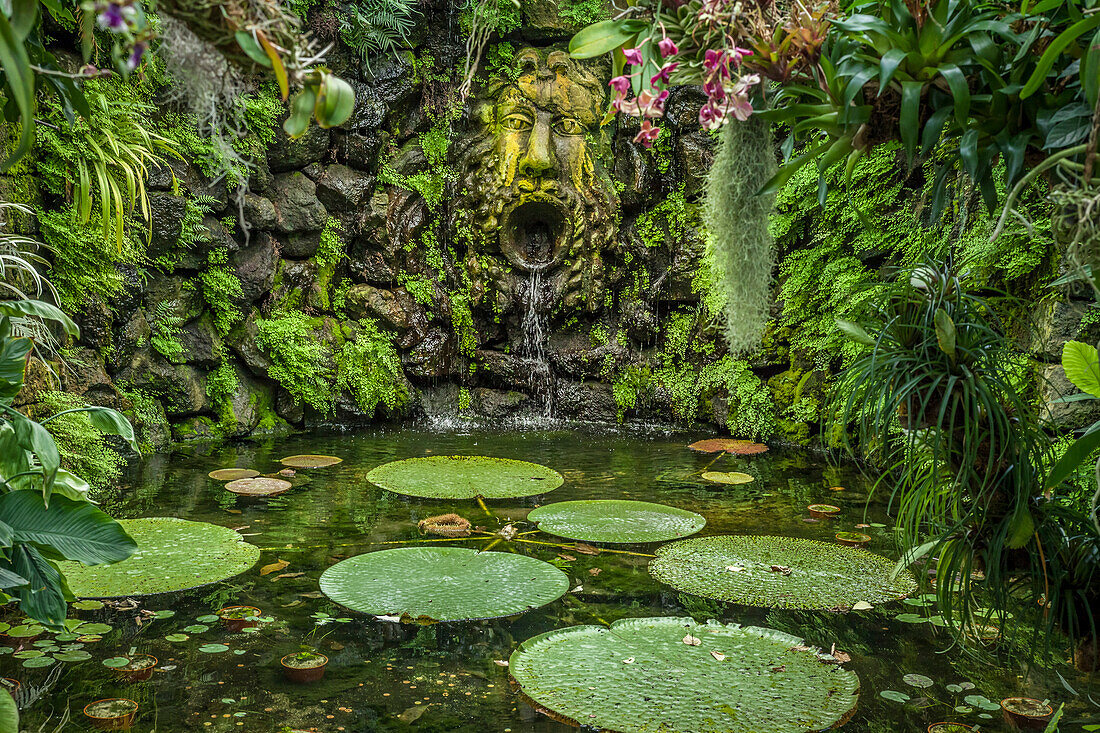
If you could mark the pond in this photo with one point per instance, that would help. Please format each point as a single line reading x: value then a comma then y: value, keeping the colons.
x: 385, y: 676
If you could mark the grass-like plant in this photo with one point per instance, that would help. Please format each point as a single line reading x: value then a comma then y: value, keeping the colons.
x: 941, y: 400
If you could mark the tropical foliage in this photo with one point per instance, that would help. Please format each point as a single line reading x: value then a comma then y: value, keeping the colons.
x: 45, y: 514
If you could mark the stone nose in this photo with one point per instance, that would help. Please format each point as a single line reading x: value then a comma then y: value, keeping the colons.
x: 538, y: 158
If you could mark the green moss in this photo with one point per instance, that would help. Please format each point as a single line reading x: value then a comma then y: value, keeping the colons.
x: 85, y: 451
x: 462, y: 321
x: 221, y: 385
x: 369, y: 369
x: 84, y: 263
x: 331, y: 249
x: 464, y: 399
x: 147, y: 415
x: 632, y: 384
x: 500, y: 60
x: 419, y: 287
x: 221, y: 288
x: 300, y: 361
x: 666, y: 223
x: 583, y: 12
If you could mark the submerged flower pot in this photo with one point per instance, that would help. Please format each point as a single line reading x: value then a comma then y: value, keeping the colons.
x: 113, y: 713
x: 823, y: 511
x: 1026, y: 713
x: 138, y: 669
x: 949, y: 728
x: 238, y: 618
x: 852, y: 539
x: 304, y: 667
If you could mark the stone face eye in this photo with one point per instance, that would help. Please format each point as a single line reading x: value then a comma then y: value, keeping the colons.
x: 568, y: 126
x: 517, y: 121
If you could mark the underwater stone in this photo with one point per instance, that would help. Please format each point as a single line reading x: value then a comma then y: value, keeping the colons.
x: 296, y: 206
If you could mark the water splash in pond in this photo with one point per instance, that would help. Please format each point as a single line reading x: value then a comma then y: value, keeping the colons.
x: 383, y: 676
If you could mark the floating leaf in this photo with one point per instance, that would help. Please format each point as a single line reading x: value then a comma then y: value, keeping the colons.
x: 76, y: 655
x: 97, y: 629
x: 578, y: 674
x: 37, y: 662
x: 692, y: 640
x: 862, y: 606
x: 731, y: 477
x: 894, y: 695
x: 213, y: 648
x: 263, y: 486
x: 165, y: 613
x: 910, y: 618
x: 233, y: 474
x: 176, y: 638
x: 616, y: 520
x: 116, y: 662
x: 196, y: 628
x: 310, y: 461
x: 917, y: 680
x: 173, y: 554
x: 207, y: 618
x: 88, y: 605
x: 274, y: 567
x: 443, y: 584
x: 465, y: 477
x: 718, y: 445
x: 822, y: 575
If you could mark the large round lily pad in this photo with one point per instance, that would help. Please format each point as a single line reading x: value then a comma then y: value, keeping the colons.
x: 263, y: 486
x: 616, y: 520
x: 427, y: 584
x: 233, y: 474
x: 779, y: 572
x: 310, y: 461
x: 465, y: 477
x: 645, y: 675
x: 173, y: 554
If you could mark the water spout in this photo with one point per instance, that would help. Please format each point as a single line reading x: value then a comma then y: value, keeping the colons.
x: 535, y: 336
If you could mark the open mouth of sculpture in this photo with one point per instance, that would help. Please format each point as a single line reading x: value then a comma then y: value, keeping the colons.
x: 534, y: 234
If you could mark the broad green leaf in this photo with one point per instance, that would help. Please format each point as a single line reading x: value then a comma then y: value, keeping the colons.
x: 31, y: 436
x: 1082, y: 364
x: 301, y: 111
x: 39, y: 309
x: 855, y: 332
x: 9, y: 714
x: 173, y: 554
x: 443, y: 583
x: 43, y: 597
x: 1054, y: 50
x: 727, y: 680
x: 20, y: 81
x: 945, y: 332
x: 73, y: 530
x: 252, y: 48
x: 106, y: 420
x: 465, y: 477
x: 603, y: 37
x: 616, y: 520
x: 335, y: 102
x: 13, y: 362
x: 1077, y: 454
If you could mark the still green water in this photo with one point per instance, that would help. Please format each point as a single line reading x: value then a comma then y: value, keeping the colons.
x: 383, y: 676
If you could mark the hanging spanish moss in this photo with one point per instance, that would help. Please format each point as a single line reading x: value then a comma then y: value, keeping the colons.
x: 740, y: 249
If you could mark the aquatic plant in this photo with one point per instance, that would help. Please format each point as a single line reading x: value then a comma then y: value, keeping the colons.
x: 431, y: 584
x: 260, y: 486
x: 233, y: 474
x: 669, y: 673
x: 310, y: 461
x: 616, y: 520
x: 779, y: 572
x: 465, y: 477
x: 173, y: 554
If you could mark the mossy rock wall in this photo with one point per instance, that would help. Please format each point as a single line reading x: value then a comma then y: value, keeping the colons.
x: 357, y: 279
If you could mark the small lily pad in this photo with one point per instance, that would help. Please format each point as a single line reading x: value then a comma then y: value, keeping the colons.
x: 213, y: 648
x: 88, y: 605
x: 894, y: 695
x: 233, y: 474
x: 73, y: 656
x: 165, y: 613
x: 116, y: 662
x: 263, y: 486
x: 208, y: 618
x: 917, y: 680
x: 310, y: 461
x: 728, y: 477
x: 616, y: 520
x: 38, y: 662
x: 176, y: 638
x: 28, y: 654
x: 95, y: 628
x: 465, y: 477
x: 196, y: 628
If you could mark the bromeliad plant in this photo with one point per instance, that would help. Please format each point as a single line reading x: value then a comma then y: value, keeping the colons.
x: 45, y: 513
x: 939, y: 399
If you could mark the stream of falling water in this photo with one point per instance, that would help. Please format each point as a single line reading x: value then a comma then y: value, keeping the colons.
x: 534, y: 342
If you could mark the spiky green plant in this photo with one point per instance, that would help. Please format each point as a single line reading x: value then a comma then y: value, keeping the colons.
x: 940, y: 400
x: 740, y: 249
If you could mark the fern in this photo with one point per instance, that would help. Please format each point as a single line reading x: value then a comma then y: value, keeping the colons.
x: 378, y: 26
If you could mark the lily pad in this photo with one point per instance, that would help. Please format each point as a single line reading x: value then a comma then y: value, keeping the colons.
x: 642, y: 675
x: 88, y: 605
x: 728, y: 477
x: 917, y: 680
x: 233, y: 474
x: 38, y: 662
x: 465, y: 477
x: 779, y: 572
x: 429, y: 584
x: 173, y: 554
x: 258, y: 486
x: 176, y: 638
x: 718, y: 445
x: 213, y: 648
x: 310, y: 461
x: 616, y: 520
x: 75, y: 655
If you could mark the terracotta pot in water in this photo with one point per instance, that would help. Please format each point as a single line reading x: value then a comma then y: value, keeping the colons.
x: 113, y: 713
x: 12, y: 686
x: 1026, y: 713
x: 949, y: 728
x: 139, y: 669
x: 852, y: 539
x: 238, y: 618
x: 296, y: 672
x: 823, y: 511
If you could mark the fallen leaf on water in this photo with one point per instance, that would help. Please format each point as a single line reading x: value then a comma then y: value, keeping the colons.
x: 287, y: 575
x: 508, y: 532
x: 413, y: 714
x: 842, y: 657
x: 500, y: 662
x: 718, y: 655
x: 567, y: 558
x: 244, y: 526
x: 628, y: 660
x: 292, y: 604
x: 781, y: 569
x: 578, y: 589
x: 393, y: 619
x: 735, y: 568
x: 312, y: 594
x: 274, y: 567
x: 780, y: 668
x: 586, y: 549
x: 800, y: 648
x: 335, y: 646
x: 861, y: 525
x: 234, y: 511
x: 692, y: 640
x: 862, y: 606
x: 594, y: 571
